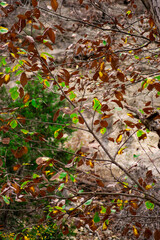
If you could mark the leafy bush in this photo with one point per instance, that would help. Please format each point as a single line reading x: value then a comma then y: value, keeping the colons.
x: 31, y: 133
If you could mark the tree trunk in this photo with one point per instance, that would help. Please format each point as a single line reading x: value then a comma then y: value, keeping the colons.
x: 154, y: 7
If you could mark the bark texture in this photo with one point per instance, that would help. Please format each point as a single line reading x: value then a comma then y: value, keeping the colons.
x: 153, y: 6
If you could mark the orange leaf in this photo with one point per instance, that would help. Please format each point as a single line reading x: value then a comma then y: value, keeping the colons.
x: 54, y: 4
x: 34, y: 3
x: 26, y: 98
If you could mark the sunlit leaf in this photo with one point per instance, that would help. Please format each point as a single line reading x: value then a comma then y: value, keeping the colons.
x: 135, y: 231
x: 13, y: 124
x: 149, y: 205
x: 119, y: 138
x: 24, y: 131
x: 97, y: 105
x: 6, y: 199
x: 54, y: 4
x: 3, y: 30
x: 62, y: 175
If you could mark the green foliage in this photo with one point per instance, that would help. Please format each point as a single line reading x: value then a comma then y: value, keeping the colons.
x: 33, y: 127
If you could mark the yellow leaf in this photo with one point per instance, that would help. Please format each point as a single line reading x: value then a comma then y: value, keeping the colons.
x: 100, y: 74
x: 130, y: 115
x: 119, y: 202
x: 150, y: 80
x: 119, y: 138
x: 104, y: 226
x: 67, y: 178
x: 102, y: 67
x: 7, y: 77
x: 121, y: 150
x: 135, y: 231
x: 148, y: 187
x: 13, y: 55
x: 26, y: 238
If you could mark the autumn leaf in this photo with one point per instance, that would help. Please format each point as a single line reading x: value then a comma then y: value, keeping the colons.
x: 54, y: 4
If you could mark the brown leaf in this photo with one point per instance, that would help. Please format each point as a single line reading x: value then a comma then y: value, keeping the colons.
x: 96, y: 122
x: 54, y: 4
x: 120, y: 76
x: 20, y: 16
x: 106, y: 116
x: 132, y: 211
x: 21, y: 92
x: 56, y: 115
x: 34, y: 3
x: 114, y: 62
x: 118, y: 103
x: 51, y: 35
x: 23, y: 79
x: 157, y: 86
x: 6, y: 141
x: 151, y: 36
x: 60, y: 135
x: 20, y: 152
x: 100, y: 183
x: 147, y: 233
x: 118, y: 95
x: 1, y: 162
x: 16, y: 167
x: 130, y: 124
x: 81, y: 120
x: 104, y: 123
x: 36, y: 13
x: 157, y: 234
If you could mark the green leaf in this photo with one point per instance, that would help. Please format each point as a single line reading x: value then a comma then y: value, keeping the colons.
x: 157, y: 77
x: 104, y: 43
x: 73, y: 115
x: 97, y: 105
x: 34, y: 104
x: 75, y: 120
x: 46, y: 83
x: 4, y: 61
x: 3, y: 30
x: 103, y: 210
x: 13, y: 124
x: 149, y: 205
x: 72, y: 96
x: 6, y: 199
x: 24, y: 131
x: 72, y: 178
x: 61, y: 186
x: 140, y: 133
x: 14, y: 93
x: 103, y: 130
x: 35, y: 175
x: 62, y: 175
x: 136, y: 156
x: 3, y: 4
x: 96, y: 218
x: 24, y: 184
x: 7, y: 69
x: 18, y: 72
x: 81, y: 191
x: 88, y: 202
x: 49, y: 55
x: 60, y: 208
x: 107, y: 221
x: 136, y: 57
x: 141, y: 111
